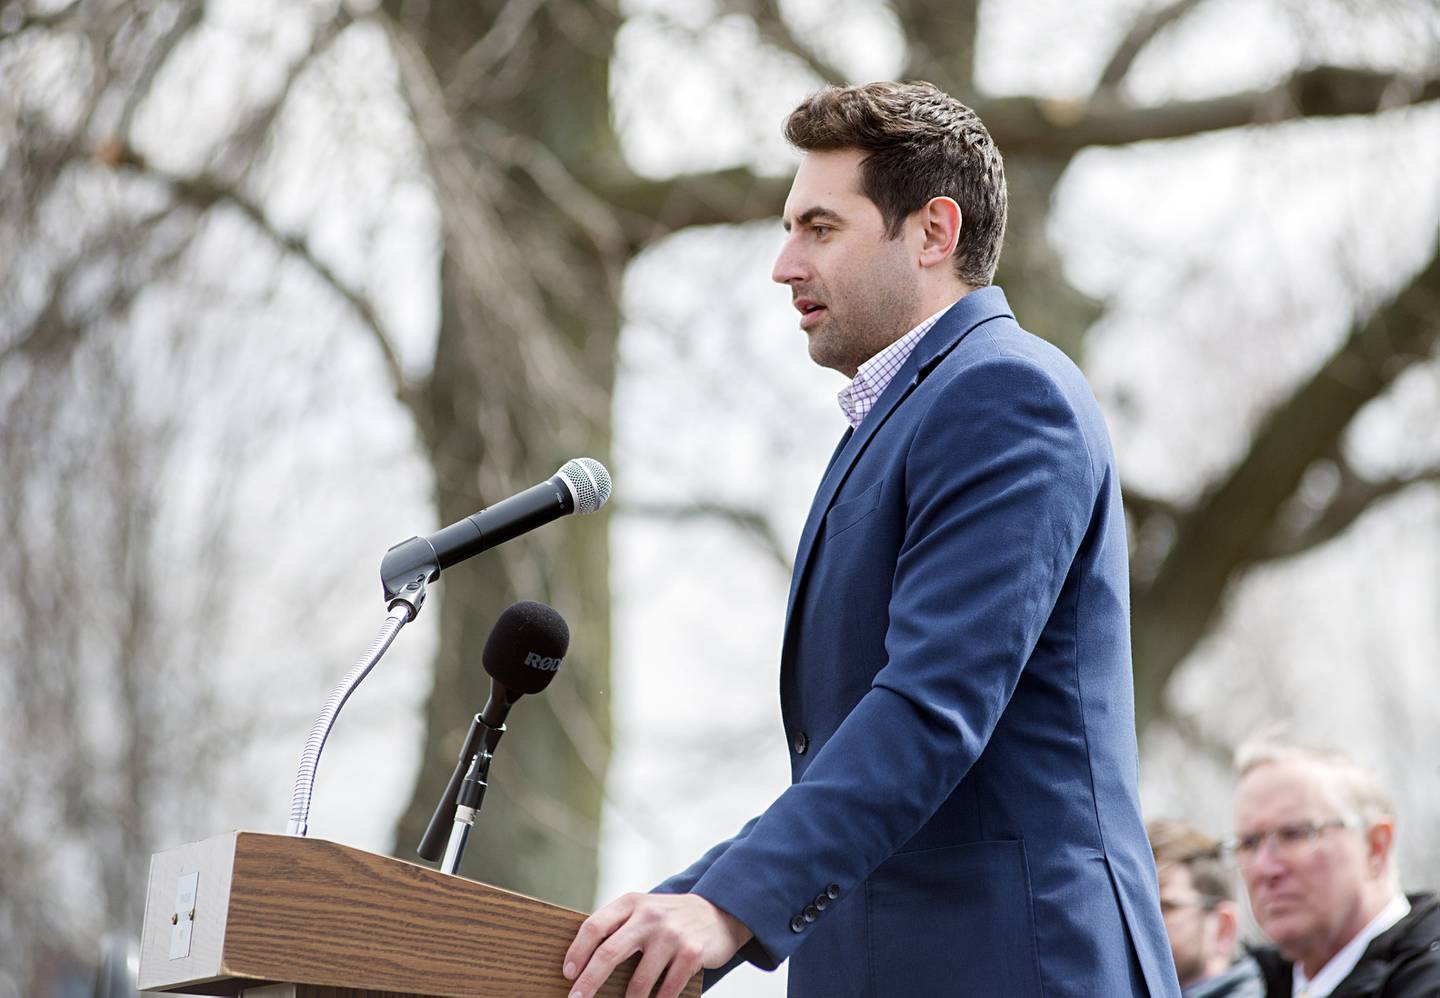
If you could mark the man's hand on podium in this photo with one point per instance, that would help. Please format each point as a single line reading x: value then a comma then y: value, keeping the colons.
x: 682, y: 932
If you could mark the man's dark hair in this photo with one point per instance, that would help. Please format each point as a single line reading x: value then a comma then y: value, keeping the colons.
x: 921, y: 143
x: 1175, y: 842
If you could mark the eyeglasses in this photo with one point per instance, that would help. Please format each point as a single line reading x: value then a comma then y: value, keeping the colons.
x: 1206, y: 902
x: 1285, y: 840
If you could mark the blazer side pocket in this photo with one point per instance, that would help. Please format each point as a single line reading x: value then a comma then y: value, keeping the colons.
x: 844, y: 515
x: 956, y: 921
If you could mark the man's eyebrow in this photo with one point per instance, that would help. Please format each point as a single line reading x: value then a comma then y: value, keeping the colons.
x: 811, y: 215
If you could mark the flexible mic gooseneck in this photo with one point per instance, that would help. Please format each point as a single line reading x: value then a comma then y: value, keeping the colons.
x: 582, y: 485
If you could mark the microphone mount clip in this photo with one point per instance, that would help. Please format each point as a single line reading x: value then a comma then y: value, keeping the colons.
x: 473, y: 767
x: 406, y: 562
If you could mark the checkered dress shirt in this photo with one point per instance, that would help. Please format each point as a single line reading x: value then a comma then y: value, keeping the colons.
x: 871, y: 378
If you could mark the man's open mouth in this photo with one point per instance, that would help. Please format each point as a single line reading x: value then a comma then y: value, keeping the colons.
x: 809, y: 311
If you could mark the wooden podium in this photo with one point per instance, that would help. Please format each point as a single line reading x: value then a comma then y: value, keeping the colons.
x: 277, y: 916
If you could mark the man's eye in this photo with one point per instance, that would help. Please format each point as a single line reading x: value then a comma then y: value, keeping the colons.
x: 821, y: 230
x: 1291, y: 834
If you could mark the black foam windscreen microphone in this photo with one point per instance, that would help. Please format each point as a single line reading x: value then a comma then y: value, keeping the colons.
x: 582, y: 485
x: 522, y: 654
x: 525, y: 647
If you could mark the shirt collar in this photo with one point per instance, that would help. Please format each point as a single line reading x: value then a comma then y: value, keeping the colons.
x: 1339, y: 966
x: 874, y: 376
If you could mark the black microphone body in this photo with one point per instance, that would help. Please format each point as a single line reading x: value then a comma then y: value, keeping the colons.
x: 506, y: 520
x: 580, y: 486
x: 496, y: 709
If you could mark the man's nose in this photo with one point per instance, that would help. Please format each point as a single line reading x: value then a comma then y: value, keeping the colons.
x: 789, y: 265
x: 1266, y: 862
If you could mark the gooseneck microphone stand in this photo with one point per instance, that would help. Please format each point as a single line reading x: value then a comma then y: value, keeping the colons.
x: 403, y: 607
x: 582, y: 485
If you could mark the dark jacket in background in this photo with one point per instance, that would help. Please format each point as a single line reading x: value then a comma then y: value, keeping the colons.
x: 1401, y: 962
x: 1242, y: 980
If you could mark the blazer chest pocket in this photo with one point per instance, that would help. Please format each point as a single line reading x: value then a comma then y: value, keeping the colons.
x: 844, y: 515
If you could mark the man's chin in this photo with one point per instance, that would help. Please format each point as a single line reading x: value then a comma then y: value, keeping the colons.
x: 1191, y: 971
x: 823, y: 352
x: 1287, y: 929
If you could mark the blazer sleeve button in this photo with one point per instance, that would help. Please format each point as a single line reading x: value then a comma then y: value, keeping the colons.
x: 811, y: 913
x: 797, y: 924
x: 833, y: 891
x: 801, y: 742
x: 822, y: 901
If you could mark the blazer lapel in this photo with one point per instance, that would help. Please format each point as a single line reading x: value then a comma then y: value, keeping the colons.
x: 977, y: 307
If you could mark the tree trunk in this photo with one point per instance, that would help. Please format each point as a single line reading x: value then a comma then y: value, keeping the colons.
x: 524, y: 368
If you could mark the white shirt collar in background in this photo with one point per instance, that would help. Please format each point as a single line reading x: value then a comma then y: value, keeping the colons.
x: 1340, y: 965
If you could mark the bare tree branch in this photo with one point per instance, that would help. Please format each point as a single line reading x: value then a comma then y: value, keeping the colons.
x: 591, y: 214
x: 940, y: 42
x: 15, y: 18
x: 188, y: 17
x: 1142, y: 506
x: 1230, y: 527
x: 753, y: 524
x: 1152, y: 532
x: 50, y: 333
x: 1354, y: 495
x: 500, y: 41
x: 238, y: 157
x: 1141, y: 34
x: 773, y: 27
x: 503, y: 289
x: 652, y: 209
x: 42, y: 155
x: 205, y: 192
x: 1029, y: 125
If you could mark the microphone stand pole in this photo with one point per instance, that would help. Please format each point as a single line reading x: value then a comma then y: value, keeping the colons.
x: 467, y: 804
x: 463, y: 795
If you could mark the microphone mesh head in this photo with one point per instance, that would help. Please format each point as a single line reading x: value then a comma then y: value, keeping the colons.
x: 589, y: 483
x: 525, y: 646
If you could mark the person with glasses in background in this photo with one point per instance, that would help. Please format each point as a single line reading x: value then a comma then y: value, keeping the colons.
x: 1315, y: 846
x: 1197, y: 899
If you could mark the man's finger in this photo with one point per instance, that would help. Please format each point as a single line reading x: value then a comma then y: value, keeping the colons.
x: 683, y: 966
x: 615, y: 950
x: 593, y: 931
x: 652, y: 965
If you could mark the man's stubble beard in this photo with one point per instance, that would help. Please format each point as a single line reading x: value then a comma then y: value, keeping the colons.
x: 875, y: 315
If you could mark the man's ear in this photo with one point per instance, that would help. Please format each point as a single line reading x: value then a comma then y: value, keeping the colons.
x: 940, y: 222
x: 1379, y: 840
x: 1227, y: 926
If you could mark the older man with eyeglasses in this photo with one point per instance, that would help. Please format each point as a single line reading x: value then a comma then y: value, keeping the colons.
x: 1314, y: 843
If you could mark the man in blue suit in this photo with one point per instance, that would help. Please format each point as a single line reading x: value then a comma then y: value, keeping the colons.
x: 955, y: 676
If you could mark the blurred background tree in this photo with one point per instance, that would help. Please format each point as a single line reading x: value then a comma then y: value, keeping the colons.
x: 284, y: 283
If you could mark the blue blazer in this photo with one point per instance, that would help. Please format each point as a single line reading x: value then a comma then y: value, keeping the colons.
x: 956, y: 689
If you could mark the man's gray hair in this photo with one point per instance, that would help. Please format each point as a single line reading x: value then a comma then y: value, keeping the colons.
x: 1359, y: 788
